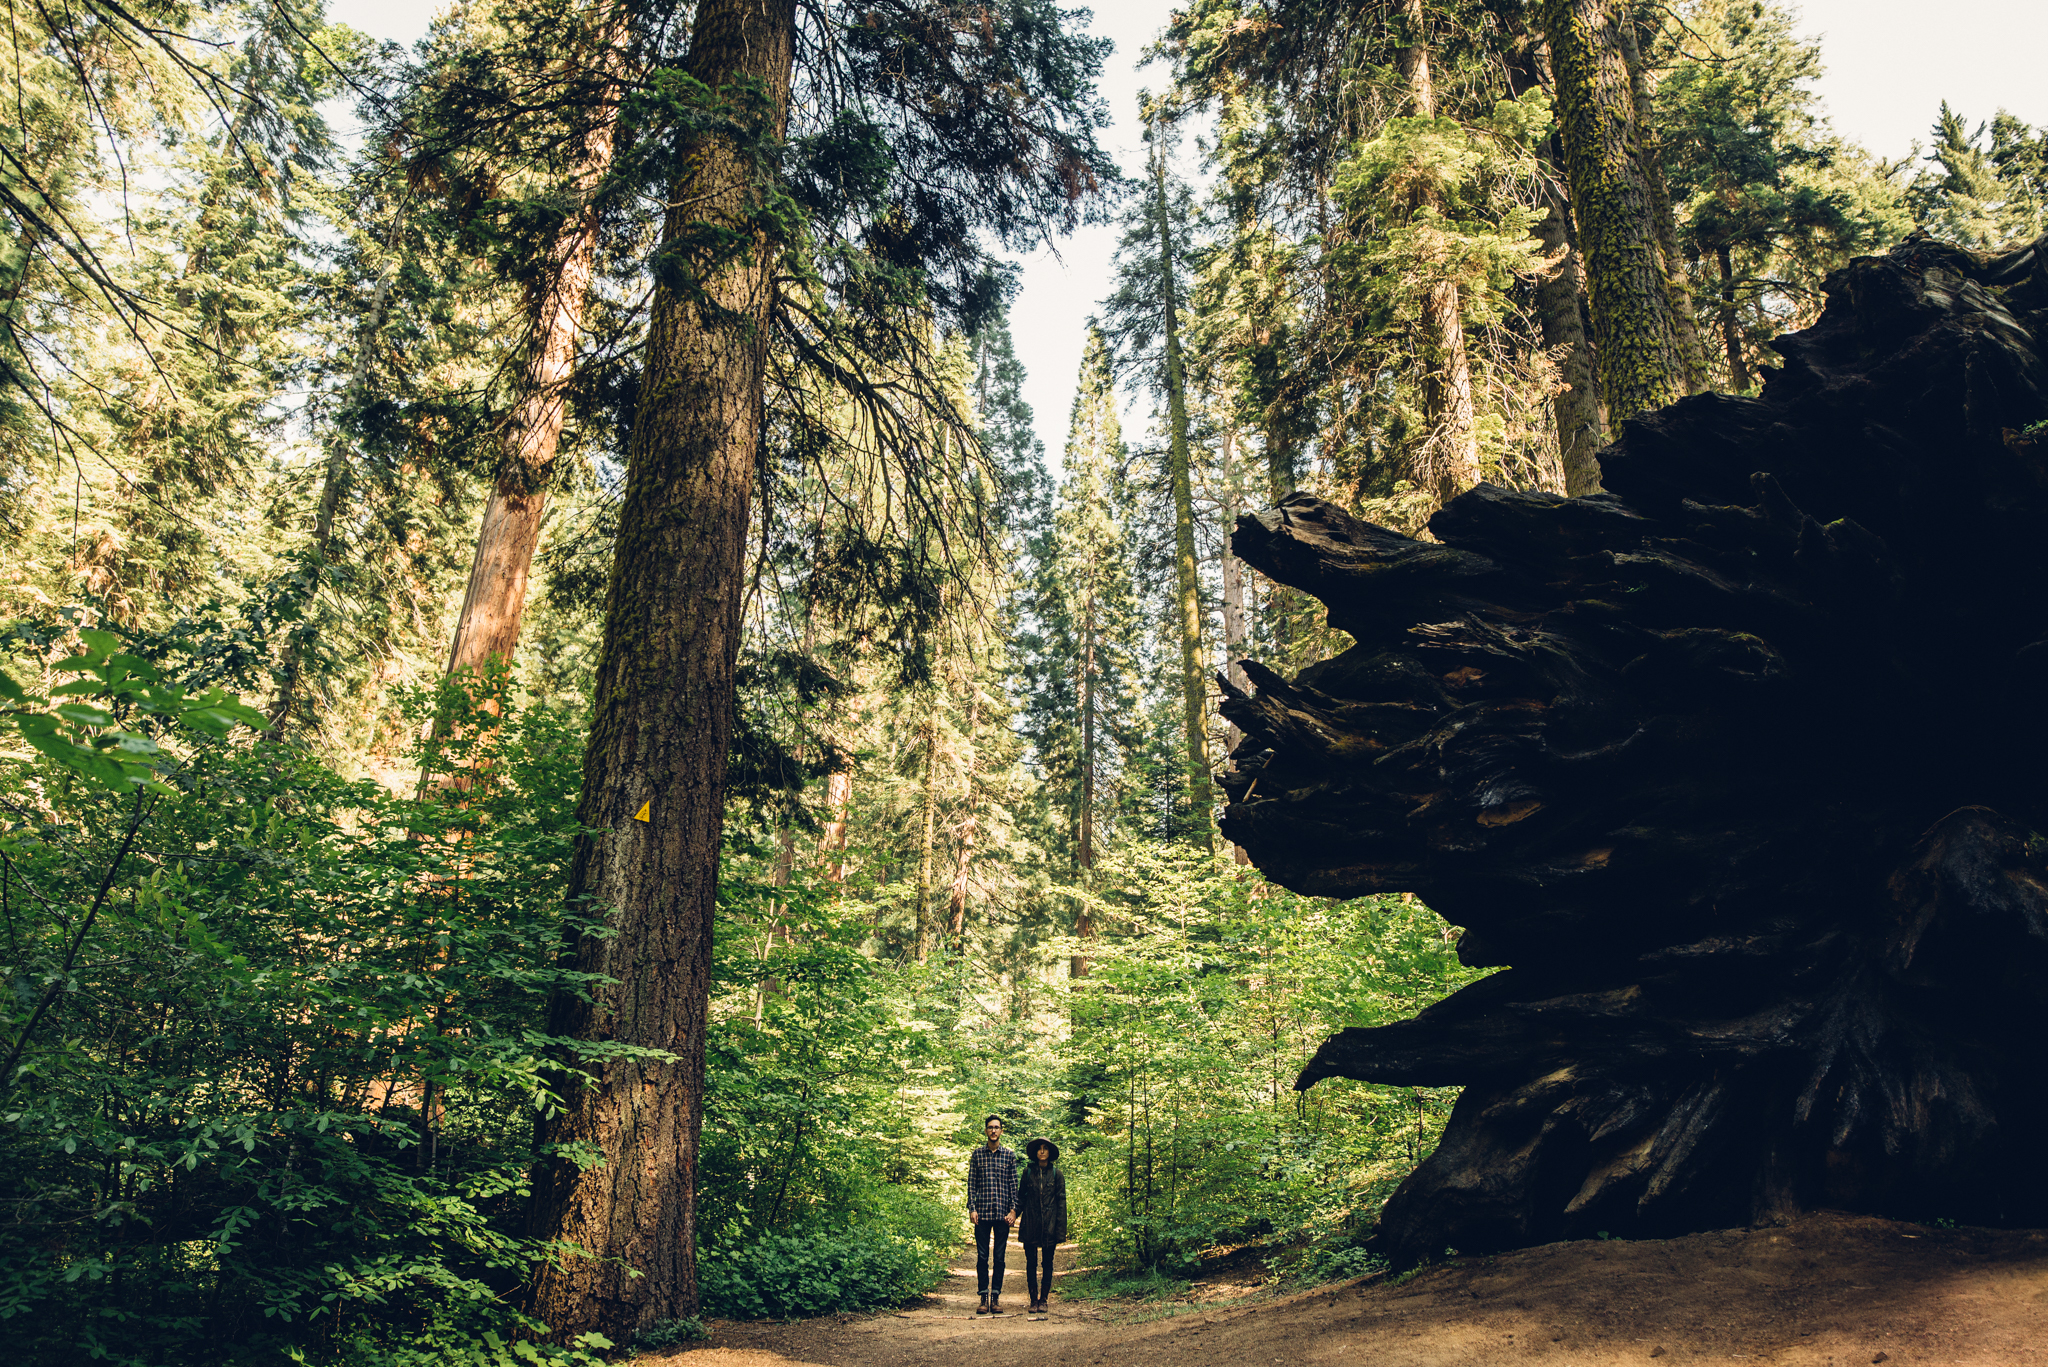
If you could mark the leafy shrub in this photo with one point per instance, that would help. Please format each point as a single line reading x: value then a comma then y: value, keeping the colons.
x: 779, y: 1276
x: 274, y: 1045
x: 669, y: 1333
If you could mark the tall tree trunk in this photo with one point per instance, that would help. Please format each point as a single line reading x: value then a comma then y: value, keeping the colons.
x: 1692, y: 351
x: 1450, y: 453
x: 926, y: 930
x: 1561, y: 296
x: 661, y: 727
x: 963, y: 869
x: 488, y: 626
x: 1194, y: 682
x: 1084, y: 854
x: 1560, y: 309
x: 1637, y: 326
x: 1731, y: 325
x: 832, y: 840
x: 1231, y: 571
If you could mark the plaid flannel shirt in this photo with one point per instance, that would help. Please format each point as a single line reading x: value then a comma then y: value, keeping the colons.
x: 992, y: 1182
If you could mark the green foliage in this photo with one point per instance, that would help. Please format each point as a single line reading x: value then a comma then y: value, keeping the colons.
x: 274, y: 1034
x: 819, y: 1272
x: 1190, y: 1029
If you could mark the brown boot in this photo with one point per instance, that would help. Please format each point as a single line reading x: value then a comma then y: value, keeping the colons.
x: 982, y: 1309
x: 995, y: 1302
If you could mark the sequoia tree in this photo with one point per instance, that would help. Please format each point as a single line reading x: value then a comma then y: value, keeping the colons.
x: 927, y: 133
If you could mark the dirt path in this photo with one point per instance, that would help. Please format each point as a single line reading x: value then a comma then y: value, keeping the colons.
x: 1829, y: 1291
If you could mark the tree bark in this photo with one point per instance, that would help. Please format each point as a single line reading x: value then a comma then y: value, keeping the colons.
x: 1637, y: 324
x: 662, y: 724
x: 488, y: 626
x: 1560, y: 304
x: 1187, y: 580
x: 1731, y: 325
x: 1575, y: 409
x: 929, y: 809
x: 956, y: 906
x: 1693, y: 352
x: 1450, y: 453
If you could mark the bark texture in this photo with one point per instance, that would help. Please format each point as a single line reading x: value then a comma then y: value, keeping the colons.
x: 1187, y: 603
x: 1642, y: 321
x: 1450, y: 452
x: 1736, y: 768
x: 661, y: 727
x: 488, y: 626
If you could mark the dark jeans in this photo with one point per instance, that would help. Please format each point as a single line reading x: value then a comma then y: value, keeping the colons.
x: 1035, y: 1257
x: 990, y: 1236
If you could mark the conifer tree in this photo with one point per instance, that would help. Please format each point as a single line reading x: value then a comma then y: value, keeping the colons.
x: 922, y: 140
x: 1145, y: 320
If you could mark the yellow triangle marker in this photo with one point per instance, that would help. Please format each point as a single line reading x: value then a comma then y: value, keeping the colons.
x: 645, y: 808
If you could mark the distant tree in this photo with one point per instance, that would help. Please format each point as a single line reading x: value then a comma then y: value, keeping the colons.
x: 1977, y: 195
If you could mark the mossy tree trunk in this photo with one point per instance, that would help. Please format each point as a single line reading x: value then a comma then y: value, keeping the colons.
x: 662, y: 722
x: 1640, y: 324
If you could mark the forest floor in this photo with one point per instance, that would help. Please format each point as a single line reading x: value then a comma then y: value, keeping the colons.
x: 1828, y: 1290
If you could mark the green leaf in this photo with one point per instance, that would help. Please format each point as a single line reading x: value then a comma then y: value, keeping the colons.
x: 84, y: 714
x: 100, y: 643
x: 9, y: 689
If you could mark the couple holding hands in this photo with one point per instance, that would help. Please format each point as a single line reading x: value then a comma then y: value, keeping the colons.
x: 1031, y: 1194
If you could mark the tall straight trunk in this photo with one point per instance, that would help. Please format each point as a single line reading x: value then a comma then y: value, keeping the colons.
x: 1187, y: 581
x: 832, y: 840
x: 926, y: 932
x: 963, y: 867
x: 1231, y: 571
x: 1284, y: 605
x: 1637, y: 326
x: 661, y: 726
x: 1450, y: 456
x: 1731, y: 325
x: 488, y: 626
x: 1560, y: 309
x: 1561, y: 298
x: 1084, y: 854
x: 1663, y: 217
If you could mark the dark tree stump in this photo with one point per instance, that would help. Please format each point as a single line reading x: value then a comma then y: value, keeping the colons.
x: 1740, y: 766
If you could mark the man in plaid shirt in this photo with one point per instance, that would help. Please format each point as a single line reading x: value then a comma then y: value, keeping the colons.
x: 992, y: 1206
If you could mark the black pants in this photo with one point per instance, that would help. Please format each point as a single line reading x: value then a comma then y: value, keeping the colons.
x: 991, y: 1237
x: 1035, y: 1257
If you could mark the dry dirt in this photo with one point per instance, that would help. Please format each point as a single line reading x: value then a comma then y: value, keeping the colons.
x: 1829, y: 1290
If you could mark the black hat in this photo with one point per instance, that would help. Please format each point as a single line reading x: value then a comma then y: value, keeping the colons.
x: 1031, y: 1149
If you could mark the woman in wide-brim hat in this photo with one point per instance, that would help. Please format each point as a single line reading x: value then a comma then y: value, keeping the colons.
x: 1041, y: 1217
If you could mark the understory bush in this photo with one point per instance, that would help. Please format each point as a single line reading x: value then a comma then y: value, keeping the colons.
x: 274, y: 1043
x: 819, y: 1272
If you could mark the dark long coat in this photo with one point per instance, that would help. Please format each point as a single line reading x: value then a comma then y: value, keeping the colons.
x: 1041, y: 1204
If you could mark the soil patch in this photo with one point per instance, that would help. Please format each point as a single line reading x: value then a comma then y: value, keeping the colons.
x: 1828, y: 1290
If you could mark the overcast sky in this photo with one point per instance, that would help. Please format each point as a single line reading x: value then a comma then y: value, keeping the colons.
x: 1889, y: 63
